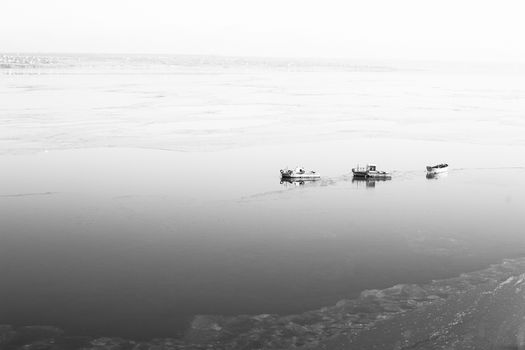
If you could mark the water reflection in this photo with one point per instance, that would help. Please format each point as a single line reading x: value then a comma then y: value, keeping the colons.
x: 368, y: 182
x: 296, y: 182
x: 431, y: 176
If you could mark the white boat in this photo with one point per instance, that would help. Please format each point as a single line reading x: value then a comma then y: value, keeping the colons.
x: 437, y: 169
x: 370, y: 171
x: 299, y: 173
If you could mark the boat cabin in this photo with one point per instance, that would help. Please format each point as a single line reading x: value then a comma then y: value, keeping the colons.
x: 371, y: 167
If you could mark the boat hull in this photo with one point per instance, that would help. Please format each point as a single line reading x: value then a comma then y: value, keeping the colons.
x: 301, y: 176
x: 434, y: 170
x: 371, y: 174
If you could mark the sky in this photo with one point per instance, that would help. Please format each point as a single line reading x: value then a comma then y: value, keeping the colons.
x: 461, y: 30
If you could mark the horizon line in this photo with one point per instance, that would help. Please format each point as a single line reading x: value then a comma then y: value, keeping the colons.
x: 270, y: 57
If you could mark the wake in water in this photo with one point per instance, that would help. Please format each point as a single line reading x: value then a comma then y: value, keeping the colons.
x: 15, y: 195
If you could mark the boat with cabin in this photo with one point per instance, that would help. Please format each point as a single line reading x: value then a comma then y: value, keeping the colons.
x: 370, y: 171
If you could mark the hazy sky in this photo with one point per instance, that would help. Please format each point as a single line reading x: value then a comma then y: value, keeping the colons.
x: 418, y: 29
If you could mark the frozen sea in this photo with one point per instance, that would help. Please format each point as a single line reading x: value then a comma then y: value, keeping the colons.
x: 139, y: 191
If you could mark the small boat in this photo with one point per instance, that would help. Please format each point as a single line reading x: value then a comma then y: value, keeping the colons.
x: 437, y: 169
x: 299, y: 173
x: 370, y: 171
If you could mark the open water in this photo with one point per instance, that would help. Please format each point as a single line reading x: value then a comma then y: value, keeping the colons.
x: 137, y: 192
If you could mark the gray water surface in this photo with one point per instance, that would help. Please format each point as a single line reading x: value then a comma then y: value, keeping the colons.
x: 104, y: 249
x: 136, y: 196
